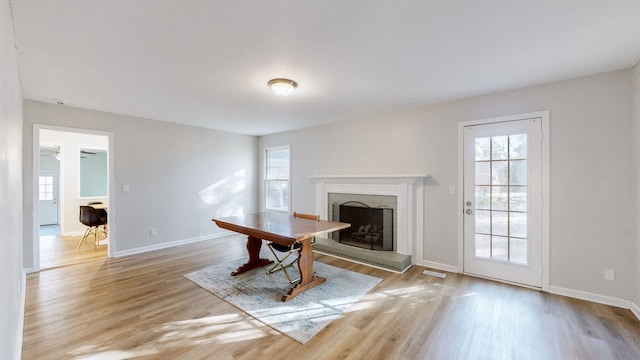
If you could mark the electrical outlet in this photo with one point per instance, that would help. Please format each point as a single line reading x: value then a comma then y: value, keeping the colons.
x: 610, y: 274
x: 153, y: 232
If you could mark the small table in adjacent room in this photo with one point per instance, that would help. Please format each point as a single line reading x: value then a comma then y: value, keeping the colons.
x: 99, y: 206
x: 282, y: 229
x: 102, y: 212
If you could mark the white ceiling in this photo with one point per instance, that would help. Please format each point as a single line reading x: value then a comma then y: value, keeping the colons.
x: 207, y: 62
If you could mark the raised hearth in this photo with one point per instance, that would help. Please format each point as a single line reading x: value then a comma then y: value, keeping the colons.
x: 383, y: 259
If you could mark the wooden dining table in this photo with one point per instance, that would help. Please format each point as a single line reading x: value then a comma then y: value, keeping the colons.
x: 284, y: 229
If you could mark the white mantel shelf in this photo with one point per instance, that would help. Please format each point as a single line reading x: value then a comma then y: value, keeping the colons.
x: 390, y: 176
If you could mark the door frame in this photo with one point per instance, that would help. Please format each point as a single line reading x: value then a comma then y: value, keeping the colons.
x: 545, y: 168
x: 35, y: 226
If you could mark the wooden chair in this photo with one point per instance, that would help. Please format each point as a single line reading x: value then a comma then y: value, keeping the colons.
x: 310, y: 217
x: 287, y: 250
x: 306, y: 216
x: 90, y: 217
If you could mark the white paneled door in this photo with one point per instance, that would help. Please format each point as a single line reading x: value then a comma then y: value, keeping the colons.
x: 48, y: 196
x: 502, y: 166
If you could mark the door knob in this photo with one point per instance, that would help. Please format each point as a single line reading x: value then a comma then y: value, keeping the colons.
x: 469, y: 212
x: 468, y: 203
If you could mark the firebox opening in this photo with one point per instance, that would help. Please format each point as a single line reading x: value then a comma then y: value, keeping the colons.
x: 371, y: 228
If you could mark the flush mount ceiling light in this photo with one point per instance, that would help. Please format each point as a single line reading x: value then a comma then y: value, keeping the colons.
x: 282, y: 87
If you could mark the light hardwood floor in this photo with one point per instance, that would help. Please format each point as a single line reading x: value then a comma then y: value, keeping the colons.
x: 56, y: 250
x: 142, y: 307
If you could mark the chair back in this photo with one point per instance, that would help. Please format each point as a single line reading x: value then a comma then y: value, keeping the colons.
x: 101, y: 212
x: 90, y: 217
x: 306, y: 216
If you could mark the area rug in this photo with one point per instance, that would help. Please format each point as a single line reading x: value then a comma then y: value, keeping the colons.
x: 260, y: 295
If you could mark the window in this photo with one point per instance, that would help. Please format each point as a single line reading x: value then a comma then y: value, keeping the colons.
x: 93, y: 173
x: 277, y: 173
x: 45, y: 185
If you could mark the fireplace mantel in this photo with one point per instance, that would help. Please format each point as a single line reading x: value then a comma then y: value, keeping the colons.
x: 408, y: 188
x: 370, y: 177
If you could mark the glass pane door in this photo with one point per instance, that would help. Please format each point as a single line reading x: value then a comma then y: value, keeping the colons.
x: 502, y: 200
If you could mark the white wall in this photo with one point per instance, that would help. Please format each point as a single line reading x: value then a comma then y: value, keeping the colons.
x: 69, y: 197
x: 49, y: 163
x: 11, y: 279
x: 179, y: 177
x: 591, y: 170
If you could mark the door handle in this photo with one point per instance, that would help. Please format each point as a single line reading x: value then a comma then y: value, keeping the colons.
x: 469, y: 212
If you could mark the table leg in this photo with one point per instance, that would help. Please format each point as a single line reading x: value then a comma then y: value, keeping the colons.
x: 305, y: 265
x: 253, y: 248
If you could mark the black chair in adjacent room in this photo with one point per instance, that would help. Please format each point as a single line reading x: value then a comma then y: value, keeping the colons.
x: 103, y: 215
x: 90, y: 217
x: 287, y: 250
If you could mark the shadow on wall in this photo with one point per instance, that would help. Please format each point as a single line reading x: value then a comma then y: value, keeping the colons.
x: 226, y: 196
x: 430, y: 181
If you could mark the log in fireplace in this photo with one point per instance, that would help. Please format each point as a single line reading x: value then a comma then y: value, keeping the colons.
x: 371, y: 227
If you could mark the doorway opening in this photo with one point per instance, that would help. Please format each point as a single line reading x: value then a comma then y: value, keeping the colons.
x: 72, y: 168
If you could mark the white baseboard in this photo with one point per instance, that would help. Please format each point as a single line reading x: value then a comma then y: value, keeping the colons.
x: 20, y: 330
x: 169, y: 244
x: 635, y: 309
x: 30, y: 270
x: 439, y: 266
x: 597, y: 298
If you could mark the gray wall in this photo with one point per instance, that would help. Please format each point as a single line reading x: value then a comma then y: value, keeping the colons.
x: 636, y: 142
x: 179, y: 176
x: 591, y: 225
x: 11, y: 280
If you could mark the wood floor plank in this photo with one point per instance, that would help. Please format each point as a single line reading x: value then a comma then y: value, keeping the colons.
x: 142, y: 307
x: 56, y: 251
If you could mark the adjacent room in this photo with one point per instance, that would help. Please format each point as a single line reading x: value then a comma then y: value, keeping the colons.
x: 79, y: 161
x: 320, y: 180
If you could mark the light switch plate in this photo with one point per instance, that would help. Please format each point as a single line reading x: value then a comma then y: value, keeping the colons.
x: 610, y: 274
